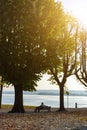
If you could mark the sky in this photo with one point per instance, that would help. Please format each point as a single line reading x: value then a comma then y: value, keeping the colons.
x: 71, y: 84
x: 45, y: 84
x: 77, y: 8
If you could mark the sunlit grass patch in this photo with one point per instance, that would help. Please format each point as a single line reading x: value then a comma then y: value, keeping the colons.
x: 10, y: 106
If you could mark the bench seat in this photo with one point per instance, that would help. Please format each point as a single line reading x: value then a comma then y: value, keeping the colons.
x: 37, y: 109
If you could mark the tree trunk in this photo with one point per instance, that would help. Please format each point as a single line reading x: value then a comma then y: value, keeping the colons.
x: 18, y: 103
x: 1, y: 88
x: 61, y: 108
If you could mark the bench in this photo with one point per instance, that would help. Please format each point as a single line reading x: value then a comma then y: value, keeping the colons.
x: 37, y: 109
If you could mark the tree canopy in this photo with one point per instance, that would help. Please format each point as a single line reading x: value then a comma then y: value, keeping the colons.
x: 28, y: 31
x: 21, y: 46
x: 35, y: 36
x: 62, y: 65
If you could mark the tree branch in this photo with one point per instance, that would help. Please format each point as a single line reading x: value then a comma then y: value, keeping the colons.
x: 55, y: 76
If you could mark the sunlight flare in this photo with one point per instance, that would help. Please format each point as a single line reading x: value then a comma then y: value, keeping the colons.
x: 77, y: 8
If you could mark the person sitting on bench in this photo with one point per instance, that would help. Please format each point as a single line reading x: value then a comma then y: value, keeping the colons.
x: 42, y: 107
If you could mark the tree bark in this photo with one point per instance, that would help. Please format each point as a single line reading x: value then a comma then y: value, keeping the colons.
x: 18, y: 103
x: 1, y: 88
x: 61, y: 108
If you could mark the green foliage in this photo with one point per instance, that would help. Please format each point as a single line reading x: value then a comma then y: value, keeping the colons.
x: 30, y: 33
x: 36, y: 36
x: 64, y: 51
x: 22, y: 43
x: 66, y: 90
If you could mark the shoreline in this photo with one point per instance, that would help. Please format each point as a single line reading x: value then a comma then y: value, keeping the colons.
x: 6, y: 107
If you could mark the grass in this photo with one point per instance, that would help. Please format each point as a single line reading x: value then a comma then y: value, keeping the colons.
x: 10, y: 106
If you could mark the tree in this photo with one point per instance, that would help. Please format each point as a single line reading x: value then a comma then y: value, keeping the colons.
x: 81, y: 48
x: 2, y: 84
x: 1, y: 88
x: 33, y: 33
x: 25, y: 28
x: 18, y: 47
x: 62, y: 65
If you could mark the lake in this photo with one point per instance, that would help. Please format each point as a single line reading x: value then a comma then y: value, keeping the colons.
x: 49, y: 97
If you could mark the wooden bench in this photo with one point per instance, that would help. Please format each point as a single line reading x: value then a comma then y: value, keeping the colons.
x: 37, y: 109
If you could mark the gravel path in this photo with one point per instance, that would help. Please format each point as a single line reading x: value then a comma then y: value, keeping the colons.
x: 69, y: 120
